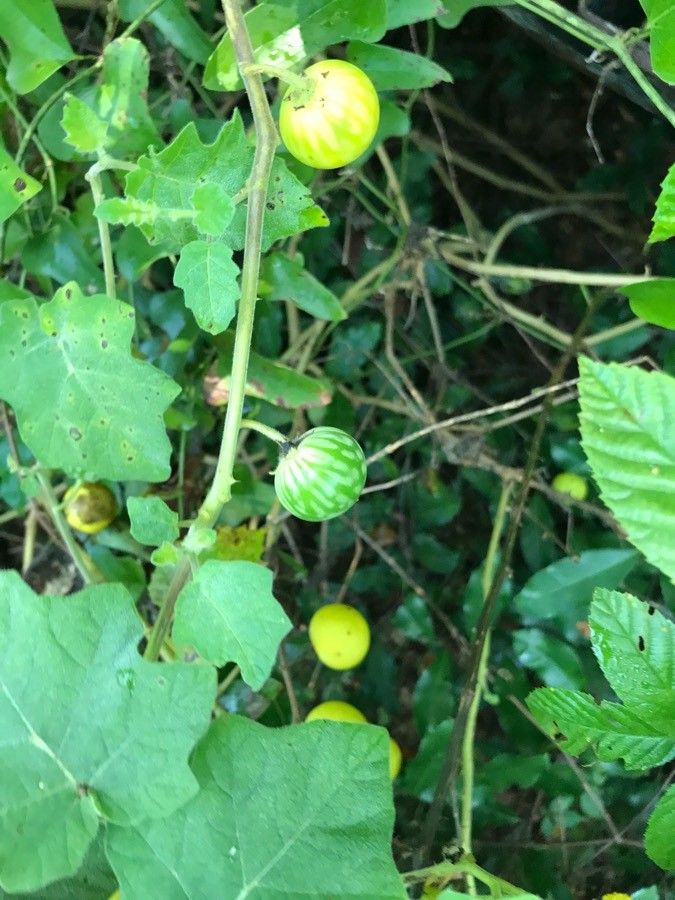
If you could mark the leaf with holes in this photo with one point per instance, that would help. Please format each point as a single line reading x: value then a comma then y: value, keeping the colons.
x: 208, y: 277
x: 164, y: 196
x: 64, y: 365
x: 16, y: 186
x: 90, y: 731
x: 229, y: 614
x: 628, y: 434
x: 286, y: 34
x: 635, y: 646
x: 37, y: 44
x: 301, y: 811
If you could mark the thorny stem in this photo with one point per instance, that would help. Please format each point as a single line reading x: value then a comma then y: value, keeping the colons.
x: 266, y: 140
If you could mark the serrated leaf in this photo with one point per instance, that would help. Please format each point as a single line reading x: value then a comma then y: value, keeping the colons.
x: 228, y: 613
x: 287, y: 279
x: 271, y: 381
x: 16, y: 186
x: 614, y: 731
x: 635, y: 646
x: 208, y: 277
x: 659, y: 842
x: 287, y: 32
x: 63, y: 767
x: 37, y: 44
x: 664, y: 213
x: 653, y: 301
x: 159, y: 193
x: 63, y: 367
x: 175, y: 23
x: 564, y: 589
x: 152, y: 522
x: 391, y: 69
x: 628, y: 434
x: 84, y: 130
x: 661, y: 18
x: 301, y: 811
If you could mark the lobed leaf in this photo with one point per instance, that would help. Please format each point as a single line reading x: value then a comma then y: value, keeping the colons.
x: 301, y: 811
x: 208, y: 277
x: 628, y: 434
x: 90, y: 730
x: 64, y: 366
x: 229, y: 614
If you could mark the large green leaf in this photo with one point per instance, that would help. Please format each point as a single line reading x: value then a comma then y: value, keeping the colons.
x: 208, y: 276
x: 287, y: 32
x: 64, y: 367
x: 287, y: 279
x: 228, y: 613
x: 304, y: 811
x: 392, y: 69
x: 403, y: 12
x: 635, y: 646
x: 614, y: 731
x: 89, y: 729
x: 152, y: 521
x: 455, y: 10
x: 16, y: 186
x: 653, y: 301
x: 659, y: 842
x: 564, y: 589
x: 661, y: 18
x: 628, y: 434
x: 271, y: 381
x: 37, y: 45
x: 117, y: 120
x: 175, y: 23
x: 664, y: 214
x: 167, y: 196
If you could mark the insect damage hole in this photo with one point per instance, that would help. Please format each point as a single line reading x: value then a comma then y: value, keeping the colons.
x: 641, y: 643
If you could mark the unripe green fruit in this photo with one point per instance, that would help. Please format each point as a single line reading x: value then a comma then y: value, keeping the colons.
x: 321, y: 475
x: 572, y: 484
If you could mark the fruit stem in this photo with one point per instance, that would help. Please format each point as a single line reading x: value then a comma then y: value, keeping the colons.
x: 291, y: 78
x: 220, y: 490
x: 269, y: 432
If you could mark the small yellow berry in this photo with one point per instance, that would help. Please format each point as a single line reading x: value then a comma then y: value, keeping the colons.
x: 337, y: 711
x: 340, y: 636
x: 572, y: 484
x: 395, y: 758
x: 616, y: 897
x: 89, y: 507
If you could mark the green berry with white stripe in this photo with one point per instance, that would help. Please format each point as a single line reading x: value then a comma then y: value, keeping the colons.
x: 330, y: 118
x: 320, y: 475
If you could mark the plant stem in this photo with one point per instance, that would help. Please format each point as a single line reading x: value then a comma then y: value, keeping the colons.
x: 269, y: 432
x: 470, y: 733
x: 277, y: 72
x: 266, y: 140
x: 94, y: 180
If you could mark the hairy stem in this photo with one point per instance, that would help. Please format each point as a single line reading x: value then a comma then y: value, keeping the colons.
x: 266, y: 140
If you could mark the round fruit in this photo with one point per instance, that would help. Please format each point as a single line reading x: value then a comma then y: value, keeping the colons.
x: 89, y: 507
x: 337, y: 711
x: 340, y: 636
x: 395, y: 758
x: 321, y: 474
x: 331, y: 119
x: 572, y: 484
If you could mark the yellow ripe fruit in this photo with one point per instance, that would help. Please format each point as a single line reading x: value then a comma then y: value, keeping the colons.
x: 89, y: 507
x: 337, y: 711
x: 395, y: 758
x: 115, y: 896
x: 572, y: 484
x: 340, y: 636
x: 616, y: 897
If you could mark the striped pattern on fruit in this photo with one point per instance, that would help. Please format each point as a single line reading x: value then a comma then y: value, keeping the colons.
x: 321, y: 475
